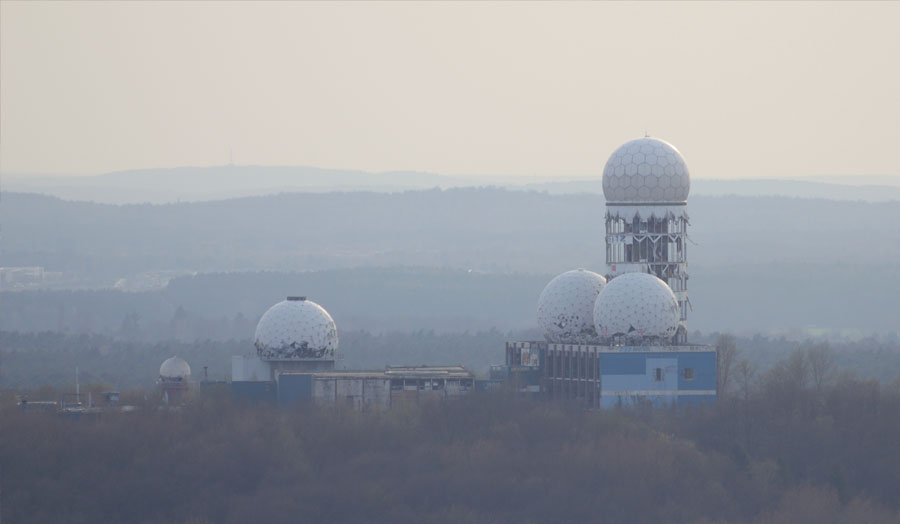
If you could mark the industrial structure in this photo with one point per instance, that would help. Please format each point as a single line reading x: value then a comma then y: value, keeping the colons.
x: 296, y: 342
x: 621, y: 339
x: 612, y: 339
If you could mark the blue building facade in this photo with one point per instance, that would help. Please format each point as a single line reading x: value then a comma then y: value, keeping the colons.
x: 605, y: 376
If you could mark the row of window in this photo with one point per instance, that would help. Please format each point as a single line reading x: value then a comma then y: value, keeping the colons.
x: 559, y: 367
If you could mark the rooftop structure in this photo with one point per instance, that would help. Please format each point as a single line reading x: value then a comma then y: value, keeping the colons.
x: 636, y: 307
x: 565, y: 309
x: 646, y: 184
x: 174, y: 369
x: 294, y: 329
x: 174, y: 380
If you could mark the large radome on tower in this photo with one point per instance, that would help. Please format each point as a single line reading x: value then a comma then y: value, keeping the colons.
x: 646, y: 169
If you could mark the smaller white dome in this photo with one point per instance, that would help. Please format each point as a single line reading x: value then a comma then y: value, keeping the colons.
x: 636, y: 305
x: 566, y: 306
x: 296, y: 328
x: 175, y: 368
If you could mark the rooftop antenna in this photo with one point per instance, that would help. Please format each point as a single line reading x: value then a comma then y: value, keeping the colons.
x: 77, y: 387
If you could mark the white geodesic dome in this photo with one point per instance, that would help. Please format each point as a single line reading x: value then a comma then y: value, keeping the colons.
x: 646, y: 170
x: 175, y: 368
x: 636, y: 305
x: 565, y: 309
x: 296, y: 328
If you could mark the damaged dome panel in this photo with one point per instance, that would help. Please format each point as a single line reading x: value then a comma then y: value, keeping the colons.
x: 565, y: 309
x: 295, y: 329
x: 636, y: 306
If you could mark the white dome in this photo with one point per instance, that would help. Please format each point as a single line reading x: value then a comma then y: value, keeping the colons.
x: 175, y: 368
x: 566, y: 306
x: 296, y: 328
x: 636, y: 305
x: 646, y: 170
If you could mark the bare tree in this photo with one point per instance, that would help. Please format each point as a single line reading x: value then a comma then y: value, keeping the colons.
x: 726, y: 356
x: 796, y: 367
x: 820, y: 359
x: 745, y: 375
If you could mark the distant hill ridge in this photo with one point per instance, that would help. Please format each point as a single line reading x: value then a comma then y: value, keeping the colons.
x: 165, y: 185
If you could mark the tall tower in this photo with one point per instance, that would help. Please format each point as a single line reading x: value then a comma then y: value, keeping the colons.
x: 646, y: 185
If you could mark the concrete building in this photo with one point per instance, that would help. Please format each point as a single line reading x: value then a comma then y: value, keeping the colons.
x: 608, y: 375
x: 397, y: 386
x: 295, y: 343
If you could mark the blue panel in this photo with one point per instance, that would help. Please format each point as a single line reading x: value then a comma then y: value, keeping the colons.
x: 623, y: 364
x: 254, y: 391
x: 704, y: 366
x: 623, y: 382
x: 294, y: 388
x: 668, y: 373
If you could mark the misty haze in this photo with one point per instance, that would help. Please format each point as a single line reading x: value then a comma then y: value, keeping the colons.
x: 449, y: 262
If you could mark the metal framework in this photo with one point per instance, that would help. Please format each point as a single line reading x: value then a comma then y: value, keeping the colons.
x: 651, y: 238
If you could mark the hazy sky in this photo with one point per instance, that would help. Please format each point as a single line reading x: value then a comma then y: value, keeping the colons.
x: 743, y: 90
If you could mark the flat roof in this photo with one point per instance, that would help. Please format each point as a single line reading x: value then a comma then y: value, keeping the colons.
x: 413, y: 372
x: 601, y: 348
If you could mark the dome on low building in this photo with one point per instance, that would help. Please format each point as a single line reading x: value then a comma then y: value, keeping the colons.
x: 175, y: 368
x: 295, y: 329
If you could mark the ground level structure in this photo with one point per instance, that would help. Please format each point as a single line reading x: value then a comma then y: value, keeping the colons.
x: 395, y: 386
x: 608, y: 375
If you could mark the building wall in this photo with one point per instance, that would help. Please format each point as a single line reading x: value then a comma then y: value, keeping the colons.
x: 250, y: 369
x: 254, y: 391
x: 608, y: 376
x: 294, y: 389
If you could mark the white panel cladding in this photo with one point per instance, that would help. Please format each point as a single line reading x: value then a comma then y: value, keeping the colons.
x: 175, y: 368
x: 296, y: 329
x: 636, y: 305
x: 646, y: 170
x: 250, y: 369
x: 565, y: 309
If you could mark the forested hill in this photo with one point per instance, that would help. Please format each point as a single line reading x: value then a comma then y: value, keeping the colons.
x: 203, y: 183
x: 757, y: 263
x: 476, y: 228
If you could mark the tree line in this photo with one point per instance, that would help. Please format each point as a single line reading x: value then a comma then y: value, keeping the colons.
x: 785, y: 450
x: 32, y: 360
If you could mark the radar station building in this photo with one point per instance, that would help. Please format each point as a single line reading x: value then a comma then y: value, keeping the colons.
x: 296, y: 341
x: 621, y: 338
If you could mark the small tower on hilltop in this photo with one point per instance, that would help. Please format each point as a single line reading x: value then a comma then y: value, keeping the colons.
x: 646, y: 185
